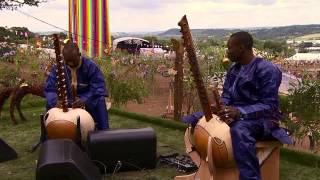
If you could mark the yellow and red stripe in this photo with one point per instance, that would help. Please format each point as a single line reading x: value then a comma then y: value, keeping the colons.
x: 89, y: 25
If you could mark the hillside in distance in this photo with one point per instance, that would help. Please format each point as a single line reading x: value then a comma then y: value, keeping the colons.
x: 282, y: 32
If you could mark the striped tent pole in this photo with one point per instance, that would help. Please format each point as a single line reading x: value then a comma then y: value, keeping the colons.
x: 97, y: 30
x: 80, y: 22
x: 89, y: 44
x: 93, y: 26
x: 70, y: 20
x: 89, y: 25
x: 84, y: 27
x: 75, y: 21
x: 100, y: 22
x: 108, y: 34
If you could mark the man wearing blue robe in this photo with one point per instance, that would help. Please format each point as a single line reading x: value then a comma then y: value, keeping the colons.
x: 250, y: 104
x: 86, y: 78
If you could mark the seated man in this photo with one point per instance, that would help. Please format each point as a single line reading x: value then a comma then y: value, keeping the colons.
x: 250, y: 104
x: 88, y: 81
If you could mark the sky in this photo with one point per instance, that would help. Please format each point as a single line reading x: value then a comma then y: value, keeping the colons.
x: 160, y: 15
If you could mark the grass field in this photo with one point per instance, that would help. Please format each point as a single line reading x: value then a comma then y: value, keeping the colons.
x: 25, y: 134
x: 315, y: 36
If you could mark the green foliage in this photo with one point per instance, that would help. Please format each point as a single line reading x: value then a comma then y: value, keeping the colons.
x: 275, y: 47
x: 173, y: 125
x: 151, y: 39
x: 210, y: 42
x: 8, y: 76
x: 124, y: 90
x: 124, y: 82
x: 258, y: 44
x: 158, y: 41
x: 212, y: 52
x: 12, y: 4
x: 10, y: 33
x: 290, y: 52
x: 302, y: 158
x: 304, y: 102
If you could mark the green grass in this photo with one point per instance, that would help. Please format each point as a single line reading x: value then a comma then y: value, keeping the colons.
x: 309, y: 37
x: 293, y: 165
x: 22, y: 136
x: 167, y: 123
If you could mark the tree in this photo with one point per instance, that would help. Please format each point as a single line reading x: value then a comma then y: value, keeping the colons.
x: 14, y: 4
x: 123, y: 80
x: 277, y: 48
x: 304, y: 102
x: 151, y: 39
x: 154, y: 40
x: 258, y: 44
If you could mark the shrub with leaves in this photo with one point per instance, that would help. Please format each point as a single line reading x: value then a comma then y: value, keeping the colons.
x: 304, y: 102
x: 8, y: 76
x: 123, y: 79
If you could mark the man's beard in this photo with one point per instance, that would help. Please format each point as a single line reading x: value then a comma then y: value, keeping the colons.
x: 72, y: 63
x: 234, y: 59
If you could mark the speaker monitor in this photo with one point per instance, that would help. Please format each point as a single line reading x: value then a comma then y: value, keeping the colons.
x: 6, y: 152
x: 62, y: 159
x: 123, y: 149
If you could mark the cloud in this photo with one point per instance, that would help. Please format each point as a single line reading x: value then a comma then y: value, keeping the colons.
x: 140, y: 5
x: 145, y: 4
x: 261, y: 2
x: 157, y: 15
x: 54, y: 12
x: 155, y: 4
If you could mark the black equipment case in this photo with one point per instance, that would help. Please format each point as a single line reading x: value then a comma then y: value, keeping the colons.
x: 7, y: 153
x: 63, y: 159
x: 123, y: 149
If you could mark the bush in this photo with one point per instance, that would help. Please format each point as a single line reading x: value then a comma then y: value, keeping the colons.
x: 304, y: 102
x: 123, y: 79
x: 8, y: 76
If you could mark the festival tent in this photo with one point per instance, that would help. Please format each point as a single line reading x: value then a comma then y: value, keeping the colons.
x: 129, y: 40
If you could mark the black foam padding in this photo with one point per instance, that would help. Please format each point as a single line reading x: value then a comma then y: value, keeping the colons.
x: 126, y: 149
x: 6, y: 152
x: 62, y: 159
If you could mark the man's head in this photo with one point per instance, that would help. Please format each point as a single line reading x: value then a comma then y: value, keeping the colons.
x: 71, y: 54
x: 239, y: 45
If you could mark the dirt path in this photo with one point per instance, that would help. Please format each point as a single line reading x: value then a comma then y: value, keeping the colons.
x: 155, y: 104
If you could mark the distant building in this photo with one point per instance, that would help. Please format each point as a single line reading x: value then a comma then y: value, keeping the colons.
x: 297, y: 42
x: 313, y: 49
x: 304, y: 57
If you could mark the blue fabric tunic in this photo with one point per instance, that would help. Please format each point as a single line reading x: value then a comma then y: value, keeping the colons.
x: 91, y: 89
x: 253, y: 90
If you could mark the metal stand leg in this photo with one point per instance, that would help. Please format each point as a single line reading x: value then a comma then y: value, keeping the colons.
x: 43, y: 135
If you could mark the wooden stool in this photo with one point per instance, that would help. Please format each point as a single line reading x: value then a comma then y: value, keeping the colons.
x: 268, y: 153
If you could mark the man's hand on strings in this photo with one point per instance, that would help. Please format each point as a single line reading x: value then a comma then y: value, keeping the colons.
x: 59, y: 104
x: 228, y: 114
x: 215, y: 109
x: 78, y: 103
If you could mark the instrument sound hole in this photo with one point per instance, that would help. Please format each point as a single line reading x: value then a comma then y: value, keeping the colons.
x: 217, y: 141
